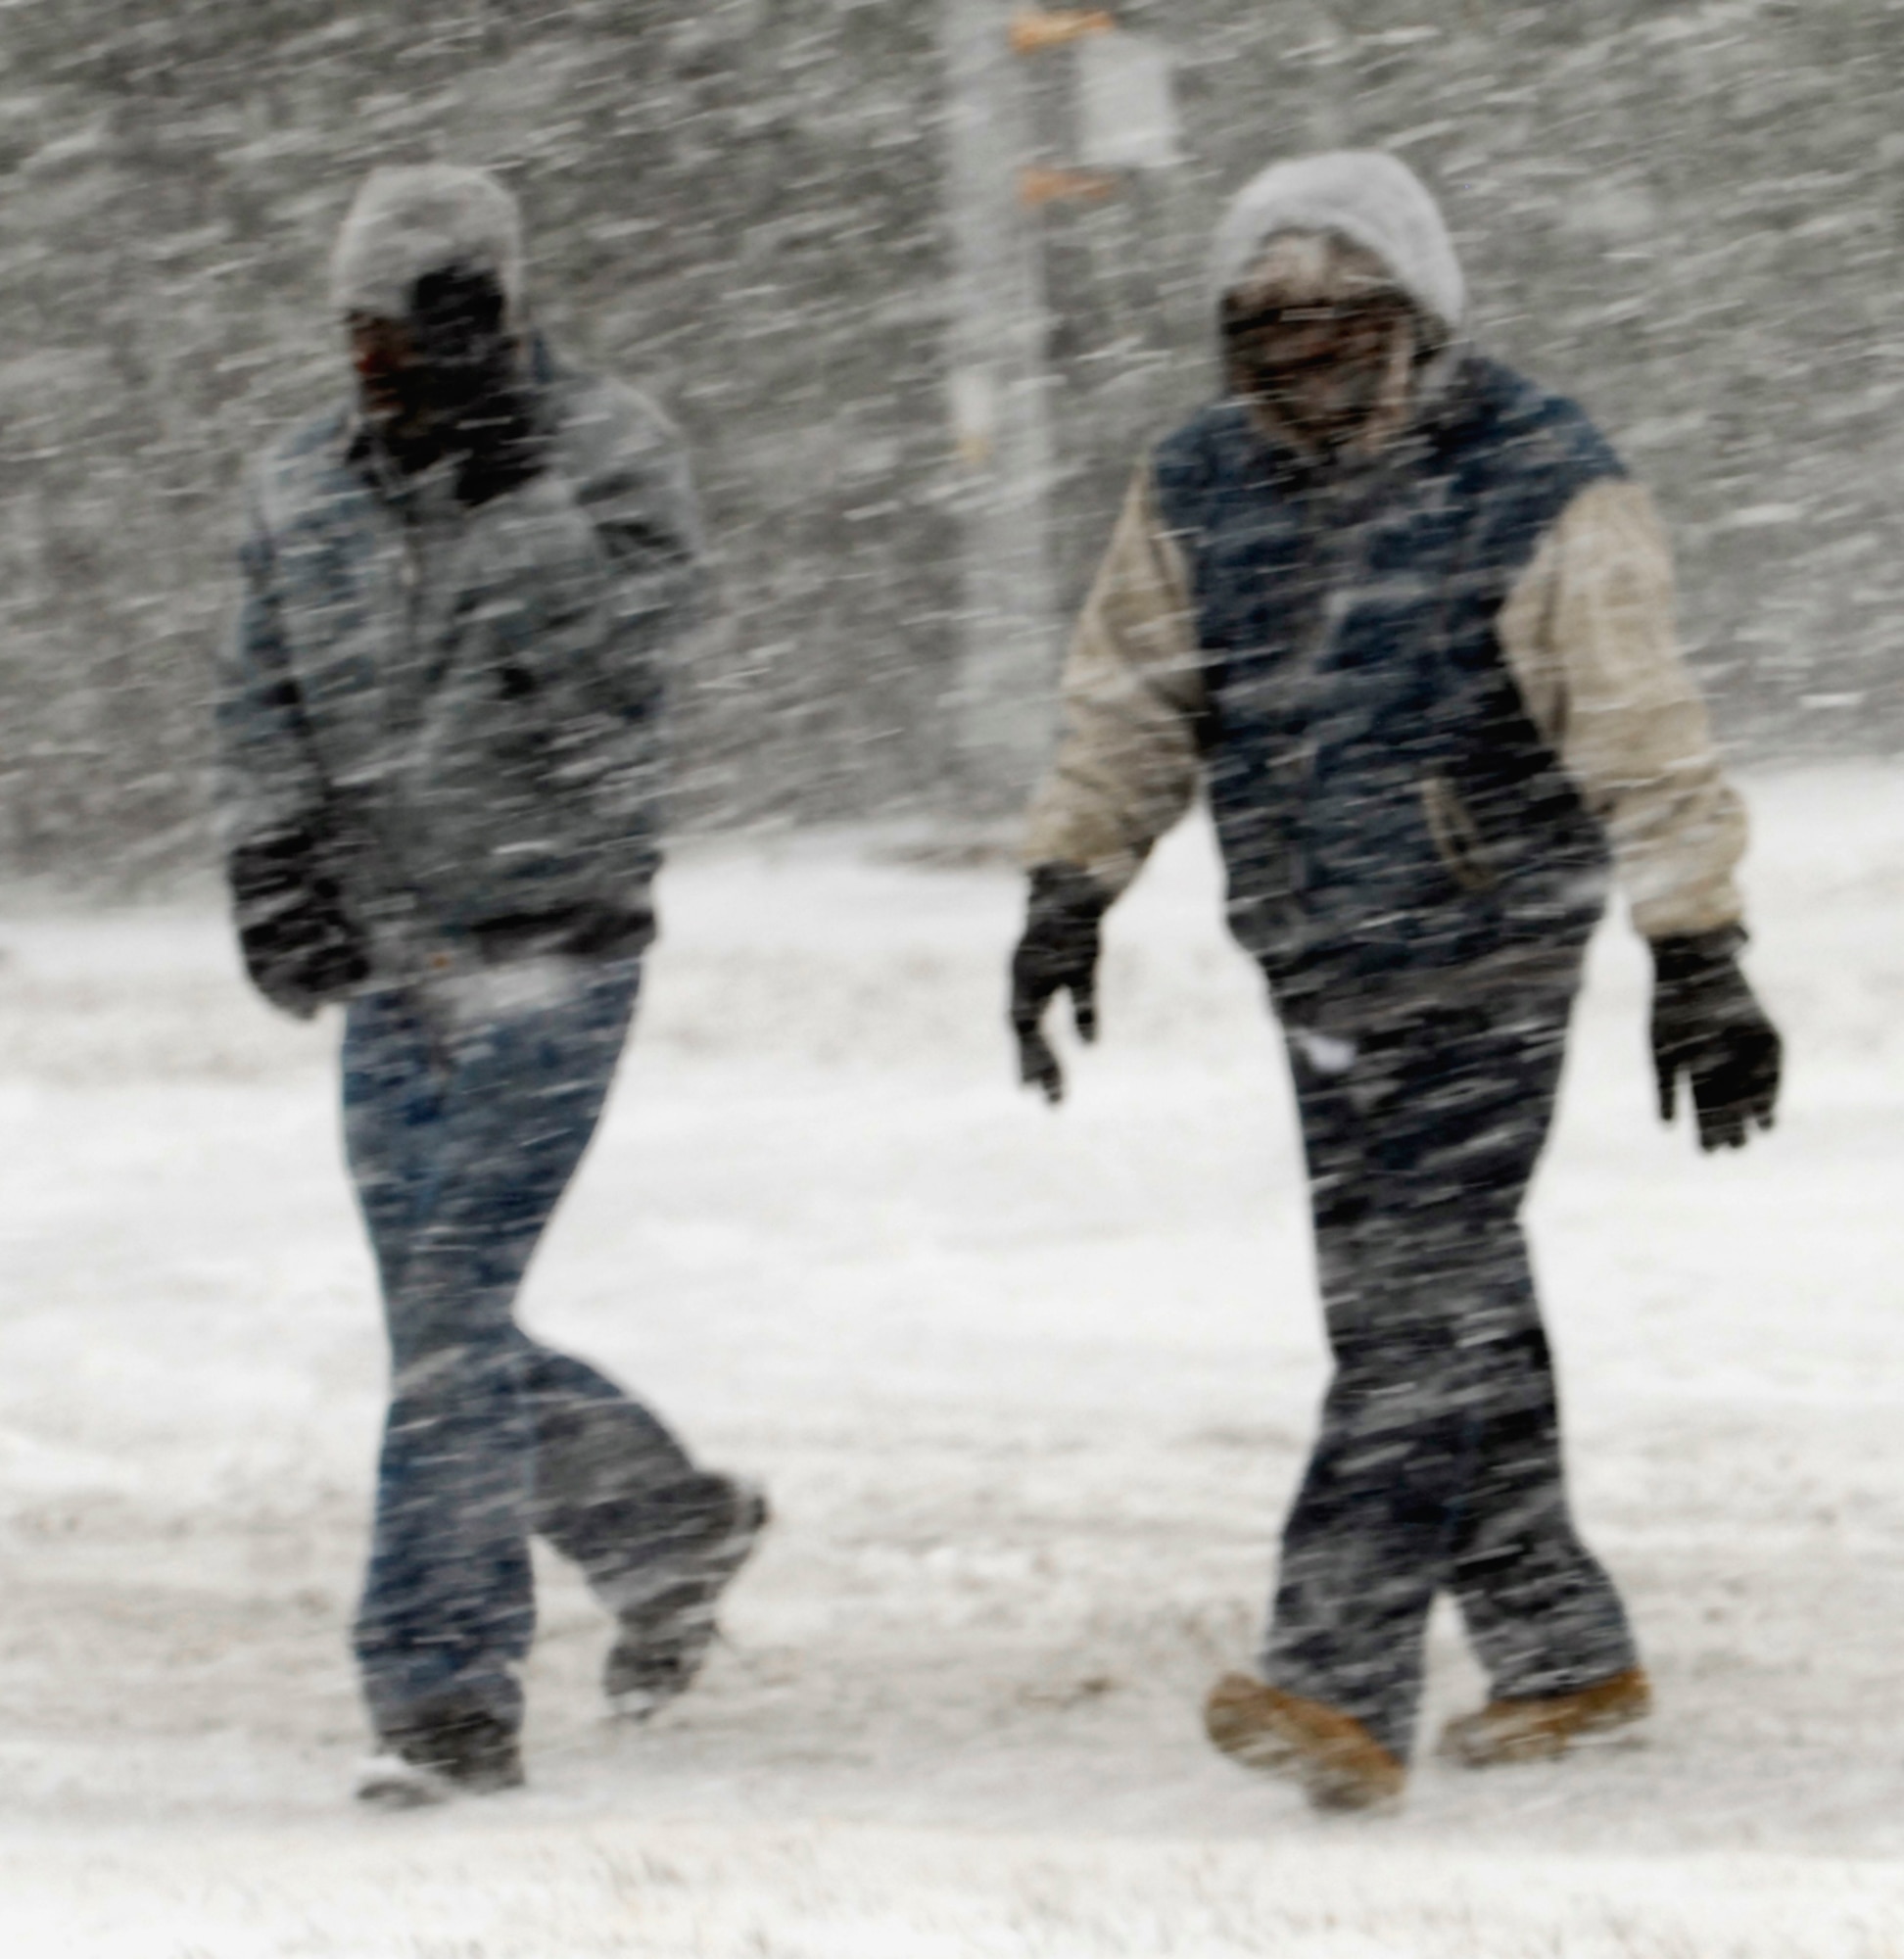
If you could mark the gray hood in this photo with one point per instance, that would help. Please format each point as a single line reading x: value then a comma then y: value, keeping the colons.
x: 424, y: 218
x: 1366, y: 196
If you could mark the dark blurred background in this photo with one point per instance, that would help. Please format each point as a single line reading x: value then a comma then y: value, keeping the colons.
x: 1683, y: 213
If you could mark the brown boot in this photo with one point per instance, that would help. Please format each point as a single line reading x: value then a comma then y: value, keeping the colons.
x: 1338, y: 1762
x: 1542, y: 1729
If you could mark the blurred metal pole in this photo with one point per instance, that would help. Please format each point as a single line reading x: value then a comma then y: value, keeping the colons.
x: 1003, y: 697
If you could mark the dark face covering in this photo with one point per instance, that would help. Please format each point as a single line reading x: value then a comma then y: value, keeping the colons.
x: 447, y: 381
x: 1320, y: 371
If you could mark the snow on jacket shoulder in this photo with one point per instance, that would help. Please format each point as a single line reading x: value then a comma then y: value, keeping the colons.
x: 1586, y: 631
x: 463, y: 706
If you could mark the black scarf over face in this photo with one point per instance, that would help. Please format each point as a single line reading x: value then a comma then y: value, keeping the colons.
x: 462, y: 394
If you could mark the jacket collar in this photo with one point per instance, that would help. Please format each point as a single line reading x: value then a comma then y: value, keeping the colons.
x: 1446, y: 395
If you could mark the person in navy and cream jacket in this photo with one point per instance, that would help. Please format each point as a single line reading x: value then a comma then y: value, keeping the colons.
x: 1403, y: 616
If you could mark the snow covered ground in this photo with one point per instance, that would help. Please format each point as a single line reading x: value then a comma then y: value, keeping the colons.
x: 1030, y: 1391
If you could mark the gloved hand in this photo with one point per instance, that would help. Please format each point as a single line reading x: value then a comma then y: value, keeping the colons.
x: 300, y: 946
x: 1058, y: 953
x: 1707, y: 1026
x: 480, y: 403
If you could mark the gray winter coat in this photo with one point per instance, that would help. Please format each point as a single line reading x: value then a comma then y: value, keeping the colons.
x: 463, y: 706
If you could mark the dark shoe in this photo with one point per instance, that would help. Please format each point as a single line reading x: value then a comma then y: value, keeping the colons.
x: 437, y: 1757
x: 666, y: 1611
x: 1337, y: 1762
x: 1543, y: 1730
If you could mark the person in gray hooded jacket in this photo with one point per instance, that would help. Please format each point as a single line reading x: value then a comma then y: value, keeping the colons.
x: 1405, y: 618
x: 439, y: 776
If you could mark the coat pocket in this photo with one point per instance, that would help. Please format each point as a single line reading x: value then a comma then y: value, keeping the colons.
x: 1456, y: 836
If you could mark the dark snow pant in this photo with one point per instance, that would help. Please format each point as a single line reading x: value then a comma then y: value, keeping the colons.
x: 464, y: 1125
x: 1439, y: 1461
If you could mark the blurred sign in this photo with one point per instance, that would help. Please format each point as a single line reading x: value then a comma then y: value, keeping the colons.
x: 1033, y: 31
x: 974, y: 414
x: 1126, y: 117
x: 1039, y: 185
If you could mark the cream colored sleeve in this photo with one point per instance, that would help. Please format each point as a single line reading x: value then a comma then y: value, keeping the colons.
x: 1127, y: 765
x: 1589, y: 633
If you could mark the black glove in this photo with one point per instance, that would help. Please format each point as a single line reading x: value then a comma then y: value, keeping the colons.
x: 481, y: 405
x: 300, y: 946
x: 1058, y: 952
x: 1707, y: 1026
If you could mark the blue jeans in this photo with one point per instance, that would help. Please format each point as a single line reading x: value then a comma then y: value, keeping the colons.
x: 1439, y: 1461
x: 465, y: 1118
